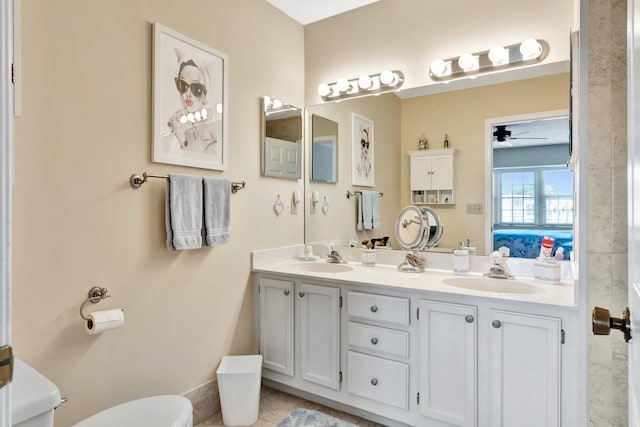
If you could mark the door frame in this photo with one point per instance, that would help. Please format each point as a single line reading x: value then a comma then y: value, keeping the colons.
x: 6, y: 172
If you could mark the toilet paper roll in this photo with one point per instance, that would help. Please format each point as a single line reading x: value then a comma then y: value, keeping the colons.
x: 100, y: 321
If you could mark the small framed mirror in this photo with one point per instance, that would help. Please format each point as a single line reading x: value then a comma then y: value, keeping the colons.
x: 282, y: 142
x: 324, y: 149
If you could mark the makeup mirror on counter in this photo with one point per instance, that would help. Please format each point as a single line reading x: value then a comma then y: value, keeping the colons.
x: 324, y: 149
x: 282, y: 139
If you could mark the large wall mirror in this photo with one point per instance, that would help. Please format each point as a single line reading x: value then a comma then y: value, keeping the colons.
x: 324, y: 149
x: 401, y: 120
x: 282, y: 139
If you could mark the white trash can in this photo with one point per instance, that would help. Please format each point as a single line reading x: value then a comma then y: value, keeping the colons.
x: 239, y: 387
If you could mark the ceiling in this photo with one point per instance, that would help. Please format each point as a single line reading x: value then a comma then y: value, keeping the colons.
x: 308, y: 11
x: 536, y: 132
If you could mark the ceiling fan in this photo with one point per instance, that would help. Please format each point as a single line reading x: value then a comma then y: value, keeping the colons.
x: 503, y: 136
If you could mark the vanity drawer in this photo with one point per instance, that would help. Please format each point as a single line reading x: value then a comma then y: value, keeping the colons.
x: 378, y: 307
x: 377, y: 339
x: 378, y: 379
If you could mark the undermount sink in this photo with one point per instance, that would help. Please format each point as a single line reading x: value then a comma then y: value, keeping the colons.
x: 324, y: 267
x: 487, y: 284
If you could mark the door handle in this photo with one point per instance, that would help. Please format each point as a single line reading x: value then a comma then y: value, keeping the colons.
x: 602, y: 322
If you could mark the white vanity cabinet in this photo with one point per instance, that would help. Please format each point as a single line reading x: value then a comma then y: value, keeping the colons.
x: 525, y: 378
x: 432, y: 176
x: 300, y: 331
x: 447, y: 361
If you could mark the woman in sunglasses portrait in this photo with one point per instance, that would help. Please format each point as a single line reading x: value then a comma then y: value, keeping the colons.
x: 192, y: 125
x: 364, y: 165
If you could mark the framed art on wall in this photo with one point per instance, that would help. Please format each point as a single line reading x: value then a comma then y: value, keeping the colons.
x: 362, y: 160
x: 189, y: 102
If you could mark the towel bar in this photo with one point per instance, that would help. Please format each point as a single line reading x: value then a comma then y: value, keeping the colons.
x: 136, y: 181
x: 349, y: 194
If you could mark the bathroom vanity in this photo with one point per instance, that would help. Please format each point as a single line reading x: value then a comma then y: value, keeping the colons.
x: 426, y: 349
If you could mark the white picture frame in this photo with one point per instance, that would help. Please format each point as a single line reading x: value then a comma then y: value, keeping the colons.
x: 362, y: 157
x: 190, y: 102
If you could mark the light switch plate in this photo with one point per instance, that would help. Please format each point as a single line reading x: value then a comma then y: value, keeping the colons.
x: 474, y: 208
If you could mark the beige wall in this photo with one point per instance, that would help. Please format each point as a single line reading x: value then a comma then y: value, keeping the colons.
x: 408, y: 35
x: 461, y: 115
x: 340, y: 221
x: 85, y: 128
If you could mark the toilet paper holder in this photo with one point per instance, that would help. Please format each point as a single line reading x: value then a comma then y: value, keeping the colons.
x: 96, y: 294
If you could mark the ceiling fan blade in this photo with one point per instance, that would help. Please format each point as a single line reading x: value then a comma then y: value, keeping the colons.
x: 530, y: 137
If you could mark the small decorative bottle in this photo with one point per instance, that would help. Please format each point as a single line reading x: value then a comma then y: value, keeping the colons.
x: 446, y: 141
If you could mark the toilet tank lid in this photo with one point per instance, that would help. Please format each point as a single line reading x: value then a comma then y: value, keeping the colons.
x: 31, y: 393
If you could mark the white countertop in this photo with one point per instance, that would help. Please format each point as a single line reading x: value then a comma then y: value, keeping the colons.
x: 433, y: 280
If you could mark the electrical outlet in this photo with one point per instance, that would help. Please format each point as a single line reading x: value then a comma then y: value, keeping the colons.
x: 474, y: 208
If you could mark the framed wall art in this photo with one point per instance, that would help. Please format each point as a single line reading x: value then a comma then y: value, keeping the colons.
x: 189, y: 102
x: 362, y: 160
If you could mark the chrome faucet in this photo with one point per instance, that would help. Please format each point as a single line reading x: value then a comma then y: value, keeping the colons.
x: 499, y: 269
x: 334, y: 257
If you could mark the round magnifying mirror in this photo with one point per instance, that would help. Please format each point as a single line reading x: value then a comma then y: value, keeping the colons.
x: 417, y: 228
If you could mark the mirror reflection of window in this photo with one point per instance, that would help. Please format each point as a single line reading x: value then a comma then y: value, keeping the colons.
x: 324, y: 149
x: 533, y: 186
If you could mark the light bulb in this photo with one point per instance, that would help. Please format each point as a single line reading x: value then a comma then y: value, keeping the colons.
x: 343, y: 85
x: 183, y: 119
x: 530, y: 49
x: 438, y: 67
x: 190, y: 117
x: 364, y: 82
x: 198, y: 116
x: 467, y: 62
x: 387, y: 77
x: 498, y: 55
x: 218, y: 108
x: 205, y: 113
x: 324, y: 89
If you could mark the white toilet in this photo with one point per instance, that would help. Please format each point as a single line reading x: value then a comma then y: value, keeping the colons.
x: 34, y: 398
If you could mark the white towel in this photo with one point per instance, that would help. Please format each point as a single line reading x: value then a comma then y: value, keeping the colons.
x: 360, y: 212
x: 183, y: 212
x: 217, y: 215
x: 367, y: 213
x: 375, y: 209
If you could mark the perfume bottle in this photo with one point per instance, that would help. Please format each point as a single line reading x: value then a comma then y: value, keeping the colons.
x: 446, y: 141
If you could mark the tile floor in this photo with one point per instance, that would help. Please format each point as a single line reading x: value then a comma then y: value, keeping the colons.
x: 275, y: 405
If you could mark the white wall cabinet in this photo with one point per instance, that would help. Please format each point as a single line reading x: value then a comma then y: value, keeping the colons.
x: 433, y: 176
x: 525, y: 370
x: 300, y: 330
x: 447, y: 363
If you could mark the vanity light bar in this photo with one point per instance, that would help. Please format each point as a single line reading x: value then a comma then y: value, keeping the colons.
x: 528, y: 52
x: 385, y: 81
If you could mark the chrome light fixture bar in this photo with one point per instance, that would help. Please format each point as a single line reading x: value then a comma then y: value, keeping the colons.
x: 385, y: 81
x: 528, y: 52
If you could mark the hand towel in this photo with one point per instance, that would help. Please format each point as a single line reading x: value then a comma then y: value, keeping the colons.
x: 367, y: 214
x: 217, y: 215
x: 184, y: 212
x: 360, y: 224
x: 375, y: 210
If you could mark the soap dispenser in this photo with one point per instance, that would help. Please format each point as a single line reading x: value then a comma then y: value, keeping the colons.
x: 471, y: 249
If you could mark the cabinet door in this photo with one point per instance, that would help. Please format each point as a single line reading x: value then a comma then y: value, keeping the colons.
x: 421, y: 173
x: 276, y: 325
x: 442, y: 172
x: 319, y: 308
x: 525, y: 370
x: 447, y: 362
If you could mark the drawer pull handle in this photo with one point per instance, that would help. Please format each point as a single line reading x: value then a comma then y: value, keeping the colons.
x: 374, y: 382
x: 374, y: 308
x: 302, y: 294
x: 496, y: 324
x: 287, y: 292
x: 468, y: 318
x: 374, y: 341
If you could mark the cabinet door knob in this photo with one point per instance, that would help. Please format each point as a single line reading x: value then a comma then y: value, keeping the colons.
x: 468, y: 318
x: 374, y: 341
x: 374, y: 382
x: 496, y: 324
x: 286, y: 292
x: 374, y: 308
x: 302, y: 294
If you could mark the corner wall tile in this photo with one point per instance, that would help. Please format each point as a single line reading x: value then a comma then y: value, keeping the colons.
x: 205, y: 400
